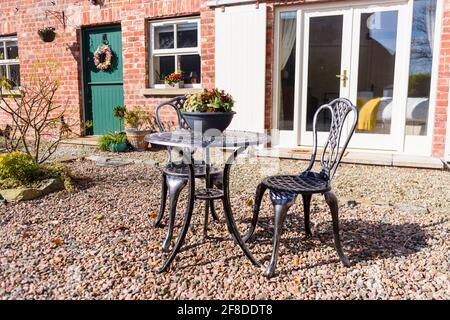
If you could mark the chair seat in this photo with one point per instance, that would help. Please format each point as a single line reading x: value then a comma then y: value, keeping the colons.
x: 297, y: 184
x: 181, y: 169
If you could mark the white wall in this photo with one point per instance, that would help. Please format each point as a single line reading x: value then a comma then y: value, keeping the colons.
x: 241, y: 62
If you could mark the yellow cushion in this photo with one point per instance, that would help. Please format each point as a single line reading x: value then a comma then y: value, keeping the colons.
x: 367, y: 119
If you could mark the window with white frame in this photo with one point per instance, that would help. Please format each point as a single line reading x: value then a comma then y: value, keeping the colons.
x: 175, y: 46
x: 9, y: 60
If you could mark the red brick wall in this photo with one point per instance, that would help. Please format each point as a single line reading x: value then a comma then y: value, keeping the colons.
x: 131, y: 14
x: 440, y: 119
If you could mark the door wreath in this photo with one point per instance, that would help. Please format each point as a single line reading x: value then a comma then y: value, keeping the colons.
x: 103, y: 57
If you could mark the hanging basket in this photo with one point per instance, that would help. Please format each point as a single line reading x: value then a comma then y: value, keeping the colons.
x: 47, y: 34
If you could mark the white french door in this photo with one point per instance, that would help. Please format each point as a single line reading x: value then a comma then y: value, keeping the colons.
x: 355, y: 53
x: 326, y: 56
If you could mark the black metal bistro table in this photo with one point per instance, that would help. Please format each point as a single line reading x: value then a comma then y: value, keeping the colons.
x: 185, y: 141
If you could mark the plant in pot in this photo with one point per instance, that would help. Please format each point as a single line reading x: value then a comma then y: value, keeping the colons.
x: 174, y: 80
x: 113, y: 141
x: 210, y: 110
x: 138, y: 124
x: 47, y: 34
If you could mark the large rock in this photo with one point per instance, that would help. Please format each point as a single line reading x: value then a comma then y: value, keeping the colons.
x: 23, y: 194
x: 52, y: 185
x: 20, y: 194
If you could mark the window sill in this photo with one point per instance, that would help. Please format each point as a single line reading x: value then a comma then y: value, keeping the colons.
x: 169, y: 91
x: 7, y: 93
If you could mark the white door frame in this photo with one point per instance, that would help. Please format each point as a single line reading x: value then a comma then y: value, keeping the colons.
x: 410, y: 144
x: 393, y: 140
x: 306, y: 137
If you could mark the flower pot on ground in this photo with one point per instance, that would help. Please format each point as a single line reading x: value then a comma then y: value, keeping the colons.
x: 174, y: 80
x: 47, y: 34
x: 138, y: 124
x: 113, y: 141
x: 209, y: 111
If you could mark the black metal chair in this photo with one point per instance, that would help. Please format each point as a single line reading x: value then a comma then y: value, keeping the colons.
x: 285, y: 188
x: 175, y: 174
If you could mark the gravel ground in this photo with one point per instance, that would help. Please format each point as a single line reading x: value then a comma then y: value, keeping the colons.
x: 98, y: 242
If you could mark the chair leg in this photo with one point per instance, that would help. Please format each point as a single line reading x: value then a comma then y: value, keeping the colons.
x: 280, y: 210
x: 256, y: 206
x: 332, y: 202
x: 306, y: 209
x: 162, y: 208
x: 175, y: 185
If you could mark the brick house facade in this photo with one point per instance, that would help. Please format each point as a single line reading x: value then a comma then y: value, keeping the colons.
x: 24, y: 17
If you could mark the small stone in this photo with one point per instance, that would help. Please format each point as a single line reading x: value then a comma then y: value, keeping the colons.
x: 412, y: 208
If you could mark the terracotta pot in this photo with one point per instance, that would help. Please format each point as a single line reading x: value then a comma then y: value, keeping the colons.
x: 136, y: 138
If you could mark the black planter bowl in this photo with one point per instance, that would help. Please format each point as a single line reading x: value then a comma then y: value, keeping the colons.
x: 204, y: 121
x: 47, y: 36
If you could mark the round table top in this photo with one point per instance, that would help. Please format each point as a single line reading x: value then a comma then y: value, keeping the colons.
x: 189, y: 139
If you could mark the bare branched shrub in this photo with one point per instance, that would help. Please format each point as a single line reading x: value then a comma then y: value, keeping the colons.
x: 37, y: 123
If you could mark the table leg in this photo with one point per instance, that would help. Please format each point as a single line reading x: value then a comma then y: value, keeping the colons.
x: 187, y: 216
x: 207, y: 185
x: 231, y: 224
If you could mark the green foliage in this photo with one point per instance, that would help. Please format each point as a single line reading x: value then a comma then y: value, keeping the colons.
x: 119, y: 112
x: 19, y: 166
x: 18, y: 169
x: 213, y: 100
x: 419, y: 85
x: 111, y: 137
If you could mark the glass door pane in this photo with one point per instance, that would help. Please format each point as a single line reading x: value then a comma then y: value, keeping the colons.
x: 286, y: 67
x: 324, y: 64
x: 376, y: 71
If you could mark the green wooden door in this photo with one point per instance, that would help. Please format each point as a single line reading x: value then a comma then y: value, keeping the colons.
x: 103, y: 90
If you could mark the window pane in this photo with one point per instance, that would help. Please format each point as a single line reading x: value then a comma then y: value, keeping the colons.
x: 12, y: 51
x: 2, y: 51
x: 287, y: 70
x: 420, y: 67
x: 187, y: 35
x: 377, y: 53
x: 14, y: 71
x: 324, y: 63
x: 163, y: 66
x: 191, y: 67
x: 164, y: 37
x: 2, y: 72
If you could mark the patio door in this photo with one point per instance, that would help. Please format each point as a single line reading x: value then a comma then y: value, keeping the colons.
x: 355, y: 53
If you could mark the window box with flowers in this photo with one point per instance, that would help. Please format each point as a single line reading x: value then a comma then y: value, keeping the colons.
x: 174, y: 80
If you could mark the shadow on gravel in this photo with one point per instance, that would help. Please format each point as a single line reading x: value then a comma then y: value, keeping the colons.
x: 362, y: 240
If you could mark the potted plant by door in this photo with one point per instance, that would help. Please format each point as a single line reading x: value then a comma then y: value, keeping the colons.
x: 210, y: 109
x: 47, y: 34
x: 174, y: 80
x: 138, y: 124
x: 113, y: 141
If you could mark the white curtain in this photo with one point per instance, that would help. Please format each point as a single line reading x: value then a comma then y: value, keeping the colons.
x: 288, y: 35
x: 430, y: 21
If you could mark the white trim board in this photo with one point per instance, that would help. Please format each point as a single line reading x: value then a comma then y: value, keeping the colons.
x: 240, y: 50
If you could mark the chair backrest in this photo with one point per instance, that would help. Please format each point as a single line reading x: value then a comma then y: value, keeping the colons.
x: 176, y: 104
x: 333, y: 150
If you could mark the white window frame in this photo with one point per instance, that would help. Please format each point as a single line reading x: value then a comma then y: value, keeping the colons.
x: 8, y: 62
x: 175, y: 51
